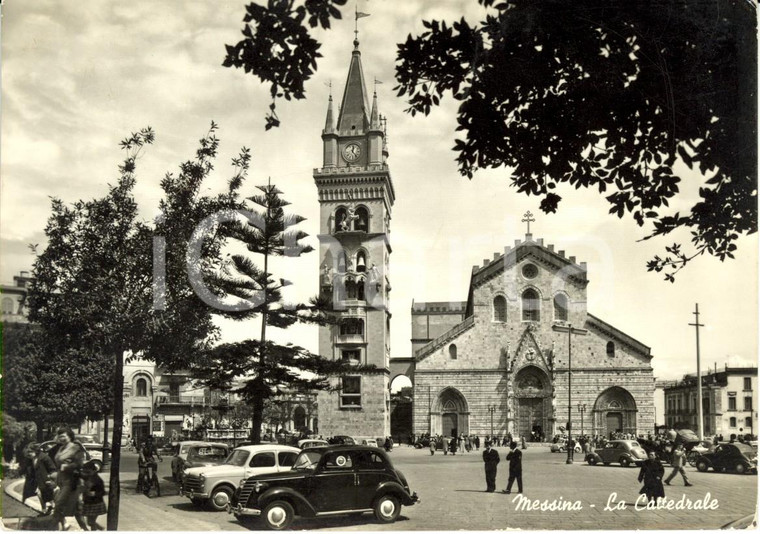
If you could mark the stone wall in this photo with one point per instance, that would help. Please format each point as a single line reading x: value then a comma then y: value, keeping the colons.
x: 372, y: 419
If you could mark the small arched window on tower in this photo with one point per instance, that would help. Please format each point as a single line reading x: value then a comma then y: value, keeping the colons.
x: 453, y: 351
x: 360, y: 289
x: 341, y: 220
x: 342, y: 262
x: 500, y: 309
x: 350, y: 290
x: 142, y: 387
x: 610, y: 349
x: 361, y: 223
x: 531, y: 305
x: 560, y: 307
x: 361, y: 262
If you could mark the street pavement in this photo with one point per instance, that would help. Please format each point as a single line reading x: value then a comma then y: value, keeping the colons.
x: 451, y: 489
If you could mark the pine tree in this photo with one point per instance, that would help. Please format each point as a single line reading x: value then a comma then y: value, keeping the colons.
x: 260, y: 369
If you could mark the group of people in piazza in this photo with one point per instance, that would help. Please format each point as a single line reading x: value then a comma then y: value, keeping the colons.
x: 63, y: 481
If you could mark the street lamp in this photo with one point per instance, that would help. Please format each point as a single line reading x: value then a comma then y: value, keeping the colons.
x: 491, y: 410
x: 582, y: 410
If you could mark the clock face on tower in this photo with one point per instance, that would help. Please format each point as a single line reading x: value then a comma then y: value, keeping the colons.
x: 351, y: 152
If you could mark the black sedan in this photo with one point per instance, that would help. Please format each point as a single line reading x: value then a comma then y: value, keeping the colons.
x: 737, y: 457
x: 325, y: 481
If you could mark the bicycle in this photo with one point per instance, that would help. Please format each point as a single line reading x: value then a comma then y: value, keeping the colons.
x: 147, y: 479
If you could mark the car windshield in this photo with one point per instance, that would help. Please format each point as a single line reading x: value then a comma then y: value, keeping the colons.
x: 85, y: 439
x: 238, y: 458
x: 307, y: 460
x: 207, y: 453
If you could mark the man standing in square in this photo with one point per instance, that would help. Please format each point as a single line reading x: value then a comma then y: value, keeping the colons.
x: 515, y: 468
x: 491, y: 460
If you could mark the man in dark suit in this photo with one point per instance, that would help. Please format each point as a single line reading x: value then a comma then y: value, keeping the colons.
x: 515, y: 468
x: 491, y: 460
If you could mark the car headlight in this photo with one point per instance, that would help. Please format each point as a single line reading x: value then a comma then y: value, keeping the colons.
x: 258, y: 487
x: 241, y: 482
x: 202, y: 478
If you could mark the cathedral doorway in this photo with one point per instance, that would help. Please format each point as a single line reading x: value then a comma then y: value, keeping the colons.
x: 614, y: 411
x: 450, y: 414
x: 532, y: 403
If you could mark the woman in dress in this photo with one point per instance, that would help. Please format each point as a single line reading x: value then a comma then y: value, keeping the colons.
x: 39, y: 471
x: 69, y: 457
x: 651, y: 475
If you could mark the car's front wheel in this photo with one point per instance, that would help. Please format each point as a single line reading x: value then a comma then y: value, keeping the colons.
x: 625, y: 462
x: 702, y: 466
x: 592, y: 460
x: 220, y: 498
x: 740, y: 468
x: 387, y: 509
x: 278, y: 515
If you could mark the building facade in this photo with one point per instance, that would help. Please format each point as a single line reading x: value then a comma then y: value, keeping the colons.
x: 356, y: 196
x: 13, y: 299
x: 510, y: 353
x: 729, y: 403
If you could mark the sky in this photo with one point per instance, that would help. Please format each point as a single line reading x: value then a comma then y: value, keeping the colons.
x: 77, y: 77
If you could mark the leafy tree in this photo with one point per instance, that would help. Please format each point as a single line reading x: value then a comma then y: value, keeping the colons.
x: 258, y: 369
x: 36, y: 371
x: 607, y: 96
x: 96, y: 291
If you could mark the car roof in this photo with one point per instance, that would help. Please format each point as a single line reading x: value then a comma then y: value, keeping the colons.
x: 191, y: 443
x: 268, y: 447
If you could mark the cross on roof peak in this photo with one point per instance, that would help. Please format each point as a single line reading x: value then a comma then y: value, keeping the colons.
x: 528, y: 218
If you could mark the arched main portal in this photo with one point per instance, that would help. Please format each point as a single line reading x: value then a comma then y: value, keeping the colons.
x: 450, y: 415
x: 533, y: 403
x: 614, y: 411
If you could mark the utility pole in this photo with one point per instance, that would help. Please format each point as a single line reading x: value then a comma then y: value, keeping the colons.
x: 491, y: 410
x: 696, y: 326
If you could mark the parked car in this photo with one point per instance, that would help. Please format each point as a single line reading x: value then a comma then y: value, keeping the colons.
x: 341, y: 440
x: 738, y: 457
x: 561, y: 446
x: 197, y: 454
x: 698, y: 449
x: 215, y: 485
x: 326, y: 481
x: 93, y: 453
x: 309, y: 443
x: 622, y: 451
x: 369, y: 442
x: 93, y: 447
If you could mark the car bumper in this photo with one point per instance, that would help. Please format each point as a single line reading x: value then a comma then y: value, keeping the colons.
x: 194, y: 494
x: 240, y: 510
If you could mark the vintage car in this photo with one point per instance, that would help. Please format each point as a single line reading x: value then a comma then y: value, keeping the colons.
x: 215, y: 485
x: 197, y: 454
x: 93, y: 450
x: 341, y: 440
x: 622, y: 451
x: 309, y: 443
x: 326, y: 481
x: 561, y: 446
x: 738, y: 457
x: 370, y: 442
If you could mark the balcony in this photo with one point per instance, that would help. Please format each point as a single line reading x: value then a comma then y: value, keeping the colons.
x: 350, y: 339
x: 197, y: 400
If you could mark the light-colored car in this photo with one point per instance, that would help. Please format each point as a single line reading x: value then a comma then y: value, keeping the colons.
x: 310, y: 443
x: 93, y: 447
x: 94, y: 452
x: 215, y: 485
x: 198, y: 450
x: 370, y: 442
x: 561, y: 446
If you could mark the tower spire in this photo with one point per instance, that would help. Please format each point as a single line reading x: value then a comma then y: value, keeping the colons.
x: 329, y: 120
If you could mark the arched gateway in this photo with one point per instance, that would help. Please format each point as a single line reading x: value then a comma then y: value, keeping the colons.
x: 450, y: 415
x: 614, y: 411
x: 533, y: 402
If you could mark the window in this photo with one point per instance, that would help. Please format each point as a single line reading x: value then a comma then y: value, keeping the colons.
x: 453, y: 351
x: 362, y: 221
x: 529, y: 271
x: 732, y: 422
x: 360, y: 289
x: 351, y: 392
x: 500, y: 309
x: 747, y: 404
x: 531, y: 305
x: 610, y: 349
x: 748, y: 422
x: 338, y: 461
x: 560, y: 307
x: 353, y: 356
x: 747, y: 383
x: 7, y: 305
x: 732, y: 404
x: 351, y: 290
x: 361, y: 262
x: 369, y: 461
x: 286, y: 459
x: 262, y: 459
x: 349, y: 327
x: 142, y: 387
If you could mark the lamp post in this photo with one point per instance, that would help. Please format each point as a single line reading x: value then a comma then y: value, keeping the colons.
x: 491, y: 410
x: 582, y: 410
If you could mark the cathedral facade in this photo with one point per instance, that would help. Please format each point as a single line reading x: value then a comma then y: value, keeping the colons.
x: 356, y: 196
x: 522, y: 355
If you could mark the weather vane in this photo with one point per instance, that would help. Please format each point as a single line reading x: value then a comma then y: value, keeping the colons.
x: 359, y: 15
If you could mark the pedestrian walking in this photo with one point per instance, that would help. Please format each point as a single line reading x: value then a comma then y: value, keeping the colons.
x: 39, y: 471
x: 93, y: 491
x: 477, y: 443
x: 491, y: 460
x: 679, y: 457
x: 651, y: 474
x: 453, y: 445
x: 514, y: 457
x: 69, y: 456
x: 432, y: 446
x: 522, y: 439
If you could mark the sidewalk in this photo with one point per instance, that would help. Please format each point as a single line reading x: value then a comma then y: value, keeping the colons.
x: 136, y: 512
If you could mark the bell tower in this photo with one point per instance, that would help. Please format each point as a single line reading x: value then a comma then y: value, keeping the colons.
x: 356, y: 196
